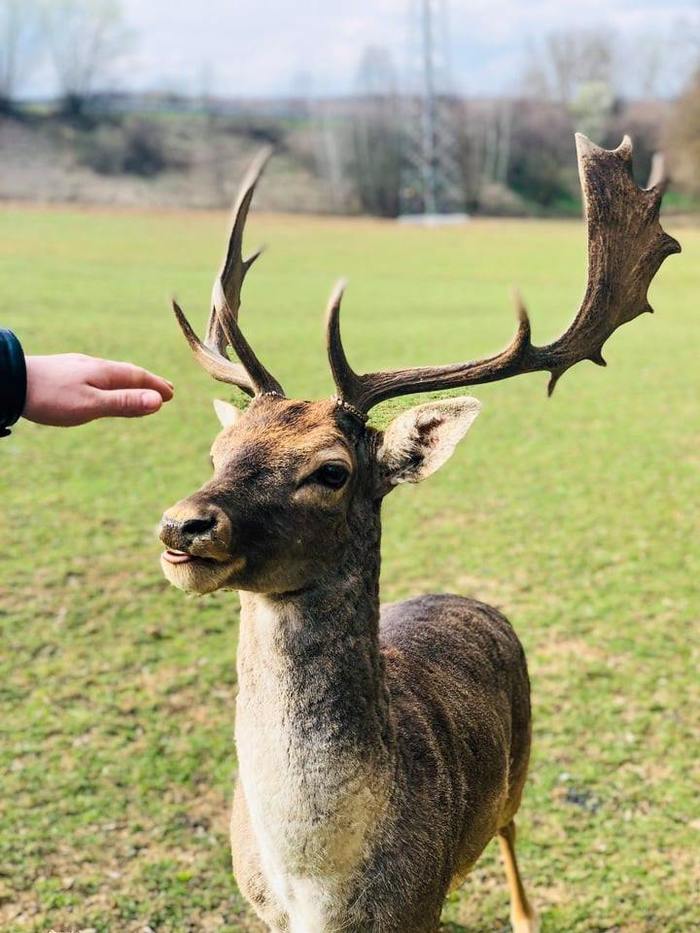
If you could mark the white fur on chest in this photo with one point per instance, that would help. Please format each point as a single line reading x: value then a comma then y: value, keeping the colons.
x: 304, y: 862
x: 311, y: 906
x: 310, y: 811
x: 310, y: 835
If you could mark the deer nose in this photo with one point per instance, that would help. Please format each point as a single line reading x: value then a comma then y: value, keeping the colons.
x: 197, y: 527
x: 185, y: 524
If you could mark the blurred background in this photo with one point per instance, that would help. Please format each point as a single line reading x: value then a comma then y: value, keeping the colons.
x: 124, y: 130
x: 386, y: 107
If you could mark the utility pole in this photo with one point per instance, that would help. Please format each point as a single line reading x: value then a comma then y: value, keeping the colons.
x: 431, y: 183
x: 429, y: 160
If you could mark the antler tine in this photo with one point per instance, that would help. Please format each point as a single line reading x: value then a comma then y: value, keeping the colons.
x: 218, y: 366
x: 348, y: 383
x: 658, y: 177
x: 226, y: 293
x: 263, y: 381
x: 222, y: 328
x: 366, y: 391
x: 626, y: 246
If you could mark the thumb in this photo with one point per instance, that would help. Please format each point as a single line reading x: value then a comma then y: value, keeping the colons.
x: 127, y: 403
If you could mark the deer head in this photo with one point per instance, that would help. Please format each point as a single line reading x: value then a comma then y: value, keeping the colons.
x: 296, y: 481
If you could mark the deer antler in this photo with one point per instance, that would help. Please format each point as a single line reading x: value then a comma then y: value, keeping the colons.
x: 222, y: 328
x: 626, y: 246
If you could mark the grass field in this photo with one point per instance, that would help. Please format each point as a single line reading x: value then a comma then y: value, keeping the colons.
x: 578, y: 516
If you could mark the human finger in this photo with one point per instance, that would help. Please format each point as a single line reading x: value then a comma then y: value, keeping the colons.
x: 110, y: 374
x: 125, y: 403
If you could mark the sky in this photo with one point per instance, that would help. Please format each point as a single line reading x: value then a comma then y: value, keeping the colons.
x: 261, y: 48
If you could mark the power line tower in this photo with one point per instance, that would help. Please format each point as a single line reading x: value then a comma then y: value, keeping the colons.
x: 432, y: 183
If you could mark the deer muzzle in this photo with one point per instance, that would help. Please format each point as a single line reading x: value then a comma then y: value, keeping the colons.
x: 191, y: 530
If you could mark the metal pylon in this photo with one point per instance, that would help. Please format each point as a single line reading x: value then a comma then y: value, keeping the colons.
x: 432, y: 182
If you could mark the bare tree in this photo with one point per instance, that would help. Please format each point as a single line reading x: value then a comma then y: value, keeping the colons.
x: 376, y: 135
x: 376, y: 73
x: 639, y: 65
x: 562, y: 62
x: 86, y: 38
x: 684, y: 138
x: 651, y: 54
x: 19, y: 40
x: 660, y: 63
x: 539, y: 168
x: 497, y: 141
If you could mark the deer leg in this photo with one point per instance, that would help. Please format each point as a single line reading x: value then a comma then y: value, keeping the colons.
x: 522, y: 916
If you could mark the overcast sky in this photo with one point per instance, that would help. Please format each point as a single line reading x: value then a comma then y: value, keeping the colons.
x: 261, y: 47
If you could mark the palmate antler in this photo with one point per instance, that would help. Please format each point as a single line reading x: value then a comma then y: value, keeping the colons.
x: 626, y: 246
x: 222, y: 328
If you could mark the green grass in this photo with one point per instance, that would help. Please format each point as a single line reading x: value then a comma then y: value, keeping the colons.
x: 577, y: 515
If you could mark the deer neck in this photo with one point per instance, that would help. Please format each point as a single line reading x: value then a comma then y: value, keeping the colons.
x: 319, y: 651
x: 313, y: 725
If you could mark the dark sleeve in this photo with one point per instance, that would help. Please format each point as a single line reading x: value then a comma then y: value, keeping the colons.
x: 13, y: 381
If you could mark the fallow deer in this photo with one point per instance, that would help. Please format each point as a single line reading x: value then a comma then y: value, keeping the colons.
x: 379, y: 750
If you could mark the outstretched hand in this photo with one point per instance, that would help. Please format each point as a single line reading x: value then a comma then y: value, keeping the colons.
x: 71, y: 389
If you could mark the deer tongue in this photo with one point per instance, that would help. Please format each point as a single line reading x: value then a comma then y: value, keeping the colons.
x: 177, y: 557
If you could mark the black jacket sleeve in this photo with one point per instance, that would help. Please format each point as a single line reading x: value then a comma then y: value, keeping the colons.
x: 13, y: 381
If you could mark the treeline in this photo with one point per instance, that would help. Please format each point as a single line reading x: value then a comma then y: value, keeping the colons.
x: 515, y: 154
x: 367, y: 152
x: 684, y: 138
x: 509, y: 156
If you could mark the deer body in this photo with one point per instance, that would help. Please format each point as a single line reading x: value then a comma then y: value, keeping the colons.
x: 374, y: 758
x: 379, y: 751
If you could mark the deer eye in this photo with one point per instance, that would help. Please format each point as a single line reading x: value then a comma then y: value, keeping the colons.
x: 332, y: 475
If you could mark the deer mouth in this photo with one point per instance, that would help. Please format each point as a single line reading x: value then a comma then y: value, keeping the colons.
x: 174, y: 556
x: 178, y: 557
x: 195, y: 574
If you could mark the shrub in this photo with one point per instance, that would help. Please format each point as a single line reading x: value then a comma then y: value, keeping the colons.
x: 135, y: 147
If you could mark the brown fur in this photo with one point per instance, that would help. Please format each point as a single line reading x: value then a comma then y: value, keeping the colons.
x: 379, y: 753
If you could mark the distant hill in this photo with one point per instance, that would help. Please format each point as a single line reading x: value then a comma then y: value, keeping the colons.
x: 153, y: 158
x: 341, y: 155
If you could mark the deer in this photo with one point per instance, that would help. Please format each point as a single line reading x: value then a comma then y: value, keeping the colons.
x: 380, y: 749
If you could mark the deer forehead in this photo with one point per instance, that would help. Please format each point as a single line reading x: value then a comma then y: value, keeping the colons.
x: 284, y: 432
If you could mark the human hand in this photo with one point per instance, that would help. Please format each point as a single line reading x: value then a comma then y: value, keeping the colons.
x: 71, y: 389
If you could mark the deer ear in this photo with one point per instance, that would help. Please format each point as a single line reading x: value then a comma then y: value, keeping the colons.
x: 227, y: 413
x: 420, y: 440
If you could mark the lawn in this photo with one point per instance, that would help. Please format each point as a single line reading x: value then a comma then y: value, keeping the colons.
x: 576, y: 515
